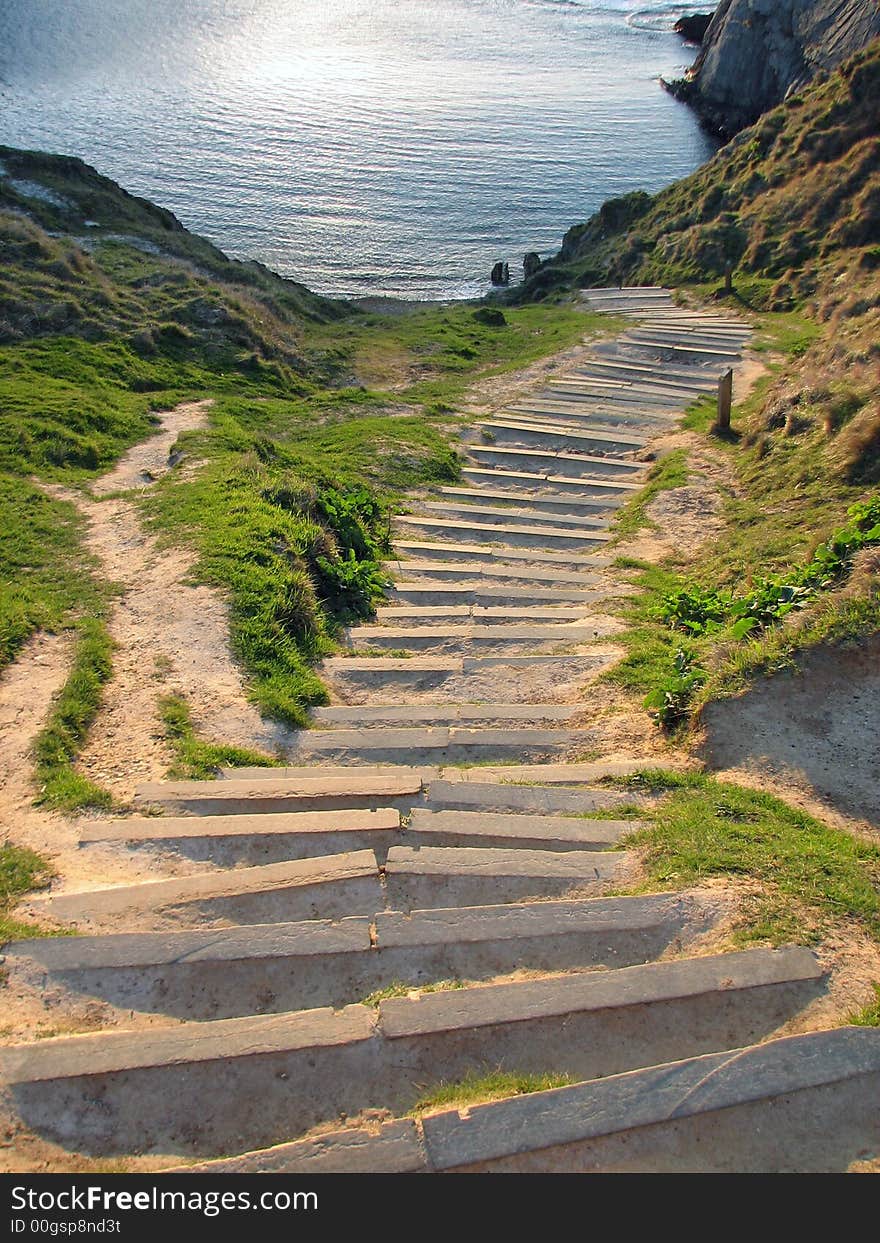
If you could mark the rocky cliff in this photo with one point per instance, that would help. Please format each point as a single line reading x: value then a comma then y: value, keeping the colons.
x: 757, y: 51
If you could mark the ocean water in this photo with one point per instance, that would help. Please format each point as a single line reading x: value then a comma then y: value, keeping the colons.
x: 361, y: 146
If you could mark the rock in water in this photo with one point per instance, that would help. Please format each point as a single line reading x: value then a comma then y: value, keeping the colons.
x: 501, y: 273
x: 693, y: 28
x: 531, y: 263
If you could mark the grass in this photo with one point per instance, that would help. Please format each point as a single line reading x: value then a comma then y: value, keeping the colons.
x: 21, y: 870
x: 494, y: 1085
x: 195, y: 759
x: 58, y: 743
x: 704, y: 828
x: 869, y: 1015
x: 399, y: 988
x: 670, y: 472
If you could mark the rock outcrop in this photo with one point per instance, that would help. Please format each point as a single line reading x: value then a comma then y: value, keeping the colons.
x: 693, y: 28
x: 757, y: 51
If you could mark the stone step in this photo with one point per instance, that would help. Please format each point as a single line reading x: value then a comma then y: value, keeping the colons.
x: 530, y: 832
x: 450, y: 595
x: 502, y: 615
x: 512, y: 432
x: 499, y: 796
x: 428, y: 672
x: 252, y: 839
x: 474, y: 638
x: 684, y: 377
x: 566, y: 412
x: 429, y: 876
x: 548, y: 502
x: 269, y: 792
x: 550, y: 481
x: 572, y: 465
x: 610, y: 395
x: 269, y: 968
x: 202, y: 1089
x: 633, y: 382
x: 328, y: 887
x: 522, y: 514
x: 799, y: 1104
x: 690, y: 339
x: 436, y: 745
x: 523, y: 535
x: 489, y: 574
x: 648, y: 343
x: 577, y: 564
x: 366, y: 715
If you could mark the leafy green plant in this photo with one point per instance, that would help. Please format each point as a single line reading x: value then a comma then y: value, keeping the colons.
x: 670, y: 700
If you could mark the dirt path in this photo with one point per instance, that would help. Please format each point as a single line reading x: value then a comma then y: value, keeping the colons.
x: 148, y: 461
x: 171, y: 637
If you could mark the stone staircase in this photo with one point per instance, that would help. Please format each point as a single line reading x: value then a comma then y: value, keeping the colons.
x: 439, y: 839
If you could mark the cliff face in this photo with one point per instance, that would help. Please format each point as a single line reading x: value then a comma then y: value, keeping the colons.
x: 755, y: 51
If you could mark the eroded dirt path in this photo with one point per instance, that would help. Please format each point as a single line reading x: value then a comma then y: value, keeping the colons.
x: 171, y: 637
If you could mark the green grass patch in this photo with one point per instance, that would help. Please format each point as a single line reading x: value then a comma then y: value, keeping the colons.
x: 670, y: 472
x: 197, y: 760
x: 869, y: 1015
x: 493, y: 1085
x: 399, y: 988
x: 704, y: 828
x: 58, y: 743
x: 21, y: 870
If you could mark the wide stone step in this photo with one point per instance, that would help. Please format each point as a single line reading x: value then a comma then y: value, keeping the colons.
x: 577, y: 465
x: 664, y: 349
x: 270, y: 792
x: 549, y: 504
x: 589, y: 414
x: 437, y: 745
x: 610, y: 395
x: 457, y: 595
x: 208, y: 1088
x: 652, y: 381
x: 476, y: 638
x: 367, y: 715
x: 531, y: 535
x: 252, y: 839
x: 543, y: 560
x: 800, y: 1104
x: 683, y: 377
x: 506, y: 796
x: 490, y: 573
x: 553, y: 480
x: 428, y: 876
x: 270, y: 968
x: 720, y: 345
x: 415, y: 614
x: 494, y: 515
x: 430, y: 672
x: 511, y: 432
x: 530, y: 832
x: 328, y: 887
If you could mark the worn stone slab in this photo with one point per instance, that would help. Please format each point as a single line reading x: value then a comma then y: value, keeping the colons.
x: 490, y: 573
x: 576, y: 464
x: 395, y: 1148
x: 442, y: 714
x: 265, y: 794
x: 800, y: 1103
x: 413, y: 613
x: 698, y: 351
x: 580, y: 564
x: 532, y: 536
x: 551, y: 504
x: 454, y: 793
x: 510, y: 430
x: 492, y: 597
x: 579, y: 773
x: 479, y: 634
x: 500, y: 829
x: 492, y: 515
x: 324, y: 887
x: 195, y: 1088
x: 463, y: 876
x: 163, y: 828
x: 555, y: 480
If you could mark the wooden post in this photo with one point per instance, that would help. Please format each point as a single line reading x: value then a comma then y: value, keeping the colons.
x: 725, y: 400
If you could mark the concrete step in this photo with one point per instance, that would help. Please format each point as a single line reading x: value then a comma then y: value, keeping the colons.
x: 453, y: 595
x: 254, y: 839
x: 474, y: 638
x: 610, y: 395
x: 492, y: 571
x: 547, y: 503
x: 520, y: 515
x: 548, y: 434
x: 572, y: 465
x: 690, y: 340
x: 555, y: 480
x: 329, y: 887
x: 664, y: 349
x: 270, y: 968
x: 506, y: 796
x: 654, y: 382
x: 204, y: 1088
x: 415, y: 614
x: 505, y: 831
x: 683, y: 377
x: 270, y: 792
x: 428, y: 672
x: 420, y: 877
x: 367, y: 715
x: 436, y: 745
x: 800, y: 1104
x: 592, y: 414
x: 523, y: 535
x: 544, y: 560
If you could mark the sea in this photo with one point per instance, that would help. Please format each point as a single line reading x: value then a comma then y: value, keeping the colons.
x: 363, y: 147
